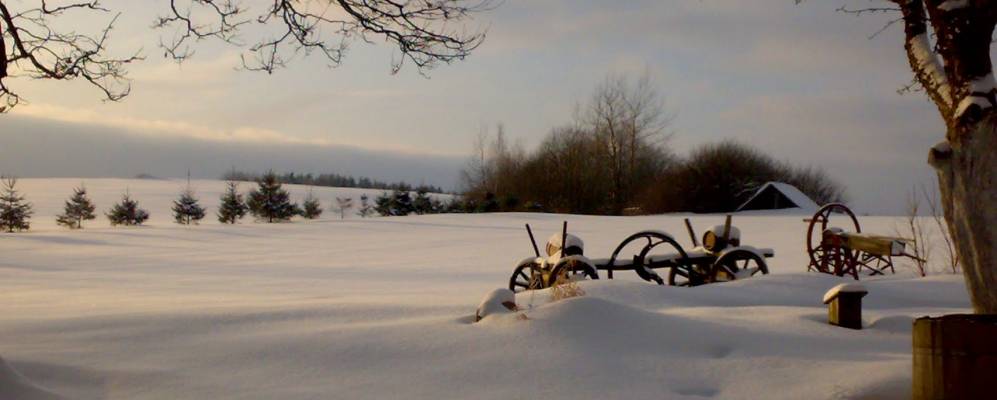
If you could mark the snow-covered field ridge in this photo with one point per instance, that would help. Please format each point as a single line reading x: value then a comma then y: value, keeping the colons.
x: 381, y: 308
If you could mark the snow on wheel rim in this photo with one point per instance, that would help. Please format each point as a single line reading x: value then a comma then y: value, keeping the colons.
x: 526, y: 276
x: 573, y: 268
x: 738, y: 264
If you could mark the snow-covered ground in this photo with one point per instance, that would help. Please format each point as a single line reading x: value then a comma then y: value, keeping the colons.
x: 381, y: 308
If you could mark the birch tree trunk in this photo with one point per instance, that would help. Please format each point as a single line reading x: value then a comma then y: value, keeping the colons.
x: 957, y: 74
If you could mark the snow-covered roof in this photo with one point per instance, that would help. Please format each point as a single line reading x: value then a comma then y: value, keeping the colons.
x: 794, y: 195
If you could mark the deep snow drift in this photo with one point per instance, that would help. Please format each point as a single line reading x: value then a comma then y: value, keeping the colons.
x: 381, y: 308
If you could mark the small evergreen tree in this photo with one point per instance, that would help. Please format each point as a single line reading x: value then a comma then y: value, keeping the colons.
x: 78, y: 208
x: 186, y: 209
x: 127, y: 212
x: 422, y: 204
x: 311, y: 207
x: 366, y: 209
x: 343, y: 206
x: 233, y: 208
x: 383, y: 204
x: 401, y: 202
x: 397, y: 203
x: 269, y: 201
x: 14, y: 211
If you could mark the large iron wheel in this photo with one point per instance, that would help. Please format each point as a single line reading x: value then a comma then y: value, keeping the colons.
x: 690, y: 275
x: 825, y: 257
x: 654, y: 241
x: 526, y: 276
x: 572, y: 268
x: 738, y: 264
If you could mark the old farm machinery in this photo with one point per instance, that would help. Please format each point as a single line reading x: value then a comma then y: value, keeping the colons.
x: 849, y: 251
x: 720, y: 257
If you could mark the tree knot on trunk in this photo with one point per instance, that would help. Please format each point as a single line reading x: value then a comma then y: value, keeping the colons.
x: 940, y: 155
x: 974, y: 107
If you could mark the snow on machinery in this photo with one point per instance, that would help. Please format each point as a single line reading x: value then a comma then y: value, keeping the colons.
x: 721, y: 257
x: 837, y: 251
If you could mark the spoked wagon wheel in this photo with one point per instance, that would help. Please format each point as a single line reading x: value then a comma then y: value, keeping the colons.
x: 526, y: 276
x: 642, y: 244
x: 738, y: 264
x: 689, y: 275
x: 824, y: 256
x: 572, y: 268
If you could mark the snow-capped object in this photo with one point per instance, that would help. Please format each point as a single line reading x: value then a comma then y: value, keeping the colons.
x: 499, y: 301
x: 833, y: 230
x: 732, y: 235
x: 778, y: 195
x: 970, y: 101
x: 950, y: 5
x: 942, y: 147
x: 843, y: 288
x: 928, y: 63
x: 983, y: 84
x: 554, y: 244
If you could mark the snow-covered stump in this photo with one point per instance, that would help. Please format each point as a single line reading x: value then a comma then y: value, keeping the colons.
x: 955, y: 357
x: 844, y: 305
x: 499, y: 301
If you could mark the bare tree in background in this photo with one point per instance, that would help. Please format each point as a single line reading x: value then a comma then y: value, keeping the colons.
x: 935, y: 212
x: 343, y: 206
x: 37, y: 42
x: 948, y: 46
x: 626, y: 116
x: 913, y: 230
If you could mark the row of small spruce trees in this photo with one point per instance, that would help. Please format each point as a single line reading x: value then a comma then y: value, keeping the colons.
x: 268, y: 202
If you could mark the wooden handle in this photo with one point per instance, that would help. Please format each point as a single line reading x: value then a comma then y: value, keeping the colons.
x: 727, y: 228
x: 692, y: 233
x: 532, y: 240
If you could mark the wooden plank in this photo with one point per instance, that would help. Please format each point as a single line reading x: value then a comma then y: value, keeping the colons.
x: 874, y: 244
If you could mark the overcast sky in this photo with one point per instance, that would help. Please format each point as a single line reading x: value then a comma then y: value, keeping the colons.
x: 801, y: 81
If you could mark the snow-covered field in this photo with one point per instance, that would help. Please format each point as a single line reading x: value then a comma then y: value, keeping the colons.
x: 381, y: 308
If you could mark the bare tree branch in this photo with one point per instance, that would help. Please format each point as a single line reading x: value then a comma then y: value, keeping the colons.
x: 39, y: 50
x: 423, y: 31
x: 922, y: 58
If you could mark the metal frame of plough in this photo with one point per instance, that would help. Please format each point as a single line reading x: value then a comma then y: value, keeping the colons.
x: 720, y: 258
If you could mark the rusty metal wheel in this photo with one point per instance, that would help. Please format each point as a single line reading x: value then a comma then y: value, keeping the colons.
x: 641, y: 245
x: 738, y: 264
x: 572, y: 268
x: 526, y: 276
x: 689, y: 274
x: 825, y: 256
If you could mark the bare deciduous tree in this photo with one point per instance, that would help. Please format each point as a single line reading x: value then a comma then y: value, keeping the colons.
x: 917, y: 236
x: 948, y: 48
x: 343, y: 206
x: 626, y: 116
x: 424, y: 32
x: 938, y: 216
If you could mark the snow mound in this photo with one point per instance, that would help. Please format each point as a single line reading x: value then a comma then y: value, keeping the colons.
x: 499, y: 301
x: 13, y: 385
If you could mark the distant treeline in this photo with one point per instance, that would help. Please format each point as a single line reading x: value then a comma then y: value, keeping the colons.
x: 614, y: 159
x: 332, y: 180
